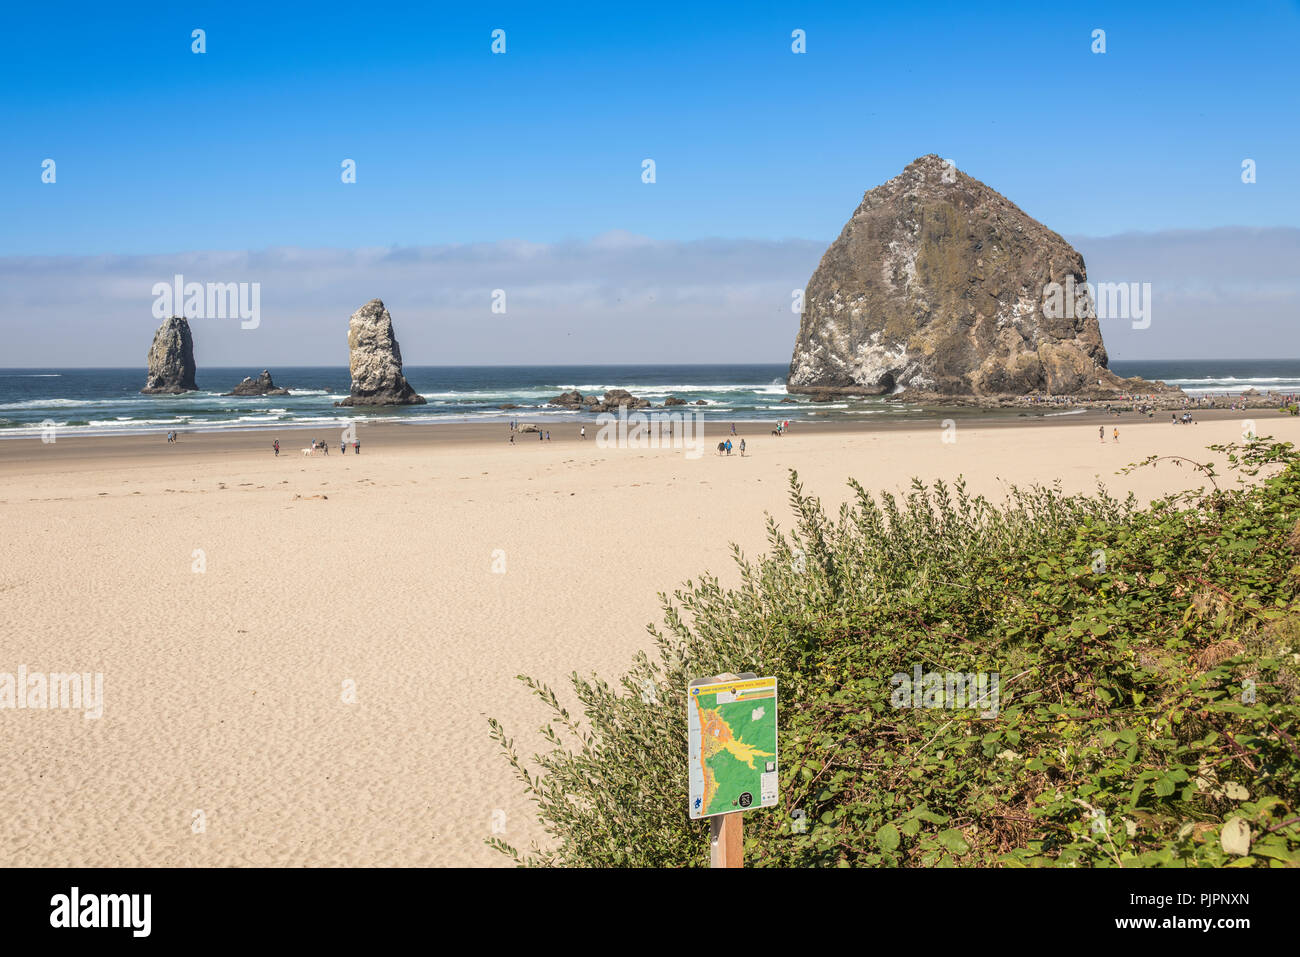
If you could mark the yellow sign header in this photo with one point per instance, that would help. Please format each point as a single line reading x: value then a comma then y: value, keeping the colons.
x: 739, y: 686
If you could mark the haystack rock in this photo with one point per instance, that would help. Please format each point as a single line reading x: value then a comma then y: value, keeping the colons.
x: 262, y: 385
x: 171, y: 359
x: 376, y: 360
x: 937, y: 285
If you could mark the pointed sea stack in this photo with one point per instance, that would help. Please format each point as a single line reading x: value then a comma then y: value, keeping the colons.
x: 375, y: 360
x: 936, y: 287
x: 171, y: 359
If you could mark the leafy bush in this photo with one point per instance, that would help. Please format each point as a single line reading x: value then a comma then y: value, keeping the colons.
x: 1147, y: 660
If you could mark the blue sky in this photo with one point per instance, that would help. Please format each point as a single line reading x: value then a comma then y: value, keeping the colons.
x: 160, y: 150
x: 522, y: 171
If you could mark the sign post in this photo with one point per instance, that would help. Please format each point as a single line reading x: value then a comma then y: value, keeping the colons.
x: 731, y: 721
x: 727, y: 840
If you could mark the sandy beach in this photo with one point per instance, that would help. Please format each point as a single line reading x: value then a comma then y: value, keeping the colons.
x: 231, y: 599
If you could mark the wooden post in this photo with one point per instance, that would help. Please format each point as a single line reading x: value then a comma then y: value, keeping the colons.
x: 727, y: 831
x: 727, y: 840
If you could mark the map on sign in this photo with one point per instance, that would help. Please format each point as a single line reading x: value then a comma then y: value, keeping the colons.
x: 732, y: 728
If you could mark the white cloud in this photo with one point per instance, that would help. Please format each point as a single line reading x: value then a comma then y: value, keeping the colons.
x: 617, y: 297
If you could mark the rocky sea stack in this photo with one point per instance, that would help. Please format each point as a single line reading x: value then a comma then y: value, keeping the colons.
x: 375, y: 360
x: 936, y: 286
x: 171, y: 359
x: 262, y: 385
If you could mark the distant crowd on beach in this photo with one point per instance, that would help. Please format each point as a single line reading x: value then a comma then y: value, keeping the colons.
x: 1150, y: 404
x: 1225, y: 402
x: 1238, y: 401
x: 320, y: 445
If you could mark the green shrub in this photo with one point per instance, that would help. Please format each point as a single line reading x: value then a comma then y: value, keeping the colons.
x: 1147, y: 660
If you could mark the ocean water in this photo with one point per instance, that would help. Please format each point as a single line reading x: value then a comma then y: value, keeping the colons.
x: 108, y: 401
x: 1218, y: 376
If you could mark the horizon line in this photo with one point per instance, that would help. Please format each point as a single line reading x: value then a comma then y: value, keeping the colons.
x: 578, y: 365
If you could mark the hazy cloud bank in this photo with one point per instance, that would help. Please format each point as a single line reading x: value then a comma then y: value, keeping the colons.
x: 1216, y: 293
x: 614, y: 298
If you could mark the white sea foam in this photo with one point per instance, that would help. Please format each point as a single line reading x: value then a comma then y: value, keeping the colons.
x: 58, y: 403
x: 1233, y: 384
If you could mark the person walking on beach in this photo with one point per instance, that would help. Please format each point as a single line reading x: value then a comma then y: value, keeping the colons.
x: 343, y: 446
x: 548, y: 435
x: 1116, y: 437
x: 541, y: 436
x: 356, y: 447
x: 277, y: 448
x: 1101, y: 433
x: 728, y: 446
x: 512, y: 436
x: 742, y: 448
x: 583, y: 433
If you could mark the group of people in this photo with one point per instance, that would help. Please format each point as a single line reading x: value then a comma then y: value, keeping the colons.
x: 724, y: 448
x: 171, y: 437
x: 543, y: 435
x: 1048, y: 399
x: 1238, y: 401
x: 1184, y: 419
x: 323, y: 446
x: 1101, y: 434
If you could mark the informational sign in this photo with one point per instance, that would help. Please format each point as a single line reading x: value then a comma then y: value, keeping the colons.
x: 732, y: 727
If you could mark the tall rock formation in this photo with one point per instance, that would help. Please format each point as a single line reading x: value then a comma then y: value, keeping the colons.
x: 171, y: 359
x: 936, y: 286
x: 376, y: 360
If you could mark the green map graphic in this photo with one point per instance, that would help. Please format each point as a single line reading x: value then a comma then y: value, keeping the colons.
x: 733, y: 747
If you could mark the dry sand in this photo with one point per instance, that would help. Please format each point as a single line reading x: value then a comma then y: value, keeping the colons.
x: 223, y: 688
